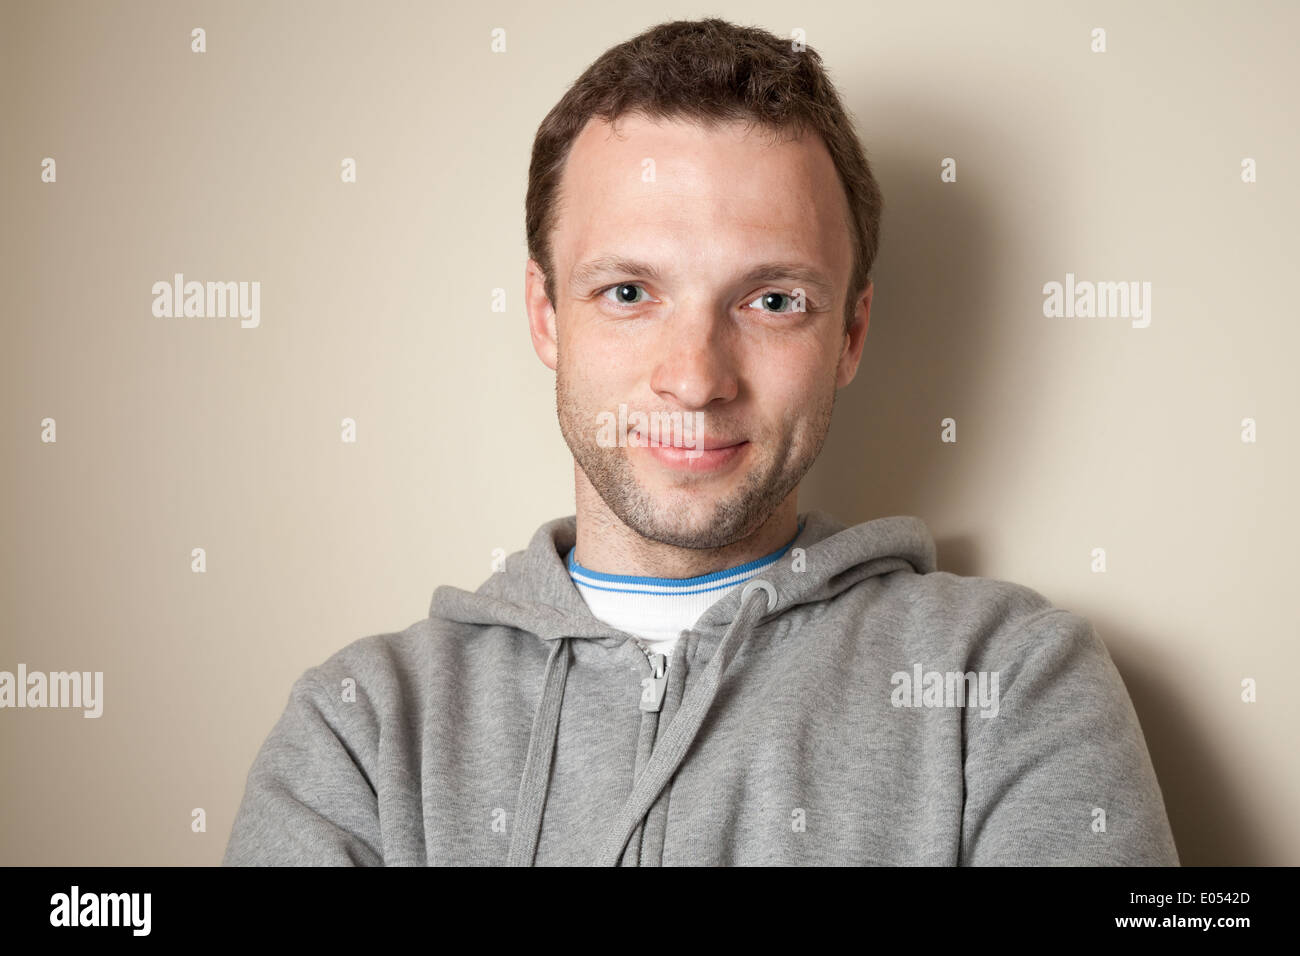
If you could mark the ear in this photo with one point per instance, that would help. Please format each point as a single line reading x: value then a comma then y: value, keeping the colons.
x: 854, y: 338
x: 541, y: 314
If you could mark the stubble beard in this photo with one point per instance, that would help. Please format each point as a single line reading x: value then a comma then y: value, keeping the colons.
x: 689, y: 515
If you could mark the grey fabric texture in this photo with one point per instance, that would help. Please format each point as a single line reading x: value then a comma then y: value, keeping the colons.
x: 813, y: 716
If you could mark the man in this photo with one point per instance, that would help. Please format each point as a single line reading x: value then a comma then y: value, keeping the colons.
x: 689, y: 670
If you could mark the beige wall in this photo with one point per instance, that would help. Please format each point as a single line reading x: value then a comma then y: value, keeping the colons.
x: 173, y: 434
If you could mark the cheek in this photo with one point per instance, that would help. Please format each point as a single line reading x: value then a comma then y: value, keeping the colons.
x: 792, y: 374
x: 592, y: 389
x: 598, y: 352
x: 794, y: 387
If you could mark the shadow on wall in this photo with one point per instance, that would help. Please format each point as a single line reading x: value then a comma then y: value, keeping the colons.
x: 1211, y: 824
x: 883, y: 457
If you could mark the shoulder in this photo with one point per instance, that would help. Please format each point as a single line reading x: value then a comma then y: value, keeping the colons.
x: 375, y: 656
x: 969, y: 599
x: 988, y: 621
x: 372, y: 677
x: 397, y: 674
x: 1044, y: 656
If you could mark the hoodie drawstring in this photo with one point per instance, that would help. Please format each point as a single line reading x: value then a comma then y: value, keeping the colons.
x: 527, y: 826
x: 665, y: 759
x: 670, y: 752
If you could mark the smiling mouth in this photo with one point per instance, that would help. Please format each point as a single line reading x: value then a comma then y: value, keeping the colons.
x: 709, y: 444
x: 711, y: 456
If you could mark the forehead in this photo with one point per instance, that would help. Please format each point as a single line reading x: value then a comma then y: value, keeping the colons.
x: 676, y: 191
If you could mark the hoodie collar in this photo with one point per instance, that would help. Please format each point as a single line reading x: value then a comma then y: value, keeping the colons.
x: 535, y: 593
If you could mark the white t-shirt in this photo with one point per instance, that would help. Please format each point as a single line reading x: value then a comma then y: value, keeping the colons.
x: 657, y: 610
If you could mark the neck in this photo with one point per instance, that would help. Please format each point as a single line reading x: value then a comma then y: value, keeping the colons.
x: 605, y: 544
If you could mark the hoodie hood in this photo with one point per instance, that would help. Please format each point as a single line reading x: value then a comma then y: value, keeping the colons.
x: 535, y: 594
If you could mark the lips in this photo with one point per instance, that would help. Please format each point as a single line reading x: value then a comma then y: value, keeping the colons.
x: 708, y: 444
x: 697, y: 461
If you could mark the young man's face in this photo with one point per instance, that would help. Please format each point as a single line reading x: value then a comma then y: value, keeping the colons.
x: 703, y: 209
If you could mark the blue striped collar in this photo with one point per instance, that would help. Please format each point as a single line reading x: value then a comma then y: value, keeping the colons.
x: 637, y: 584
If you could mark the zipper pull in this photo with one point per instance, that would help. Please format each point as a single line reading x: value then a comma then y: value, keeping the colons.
x: 652, y: 688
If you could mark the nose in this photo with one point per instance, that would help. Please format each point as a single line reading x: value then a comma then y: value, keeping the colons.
x: 695, y: 365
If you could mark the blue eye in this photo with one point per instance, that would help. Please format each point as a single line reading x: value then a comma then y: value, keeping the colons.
x: 767, y: 296
x: 618, y: 291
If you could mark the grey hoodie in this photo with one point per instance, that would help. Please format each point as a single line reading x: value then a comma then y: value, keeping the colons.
x: 814, y: 715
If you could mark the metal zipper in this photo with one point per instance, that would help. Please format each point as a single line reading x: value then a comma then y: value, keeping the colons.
x: 653, y: 687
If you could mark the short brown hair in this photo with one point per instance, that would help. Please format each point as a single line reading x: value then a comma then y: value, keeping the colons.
x: 707, y: 71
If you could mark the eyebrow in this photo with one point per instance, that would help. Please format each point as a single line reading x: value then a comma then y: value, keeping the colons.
x: 594, y: 269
